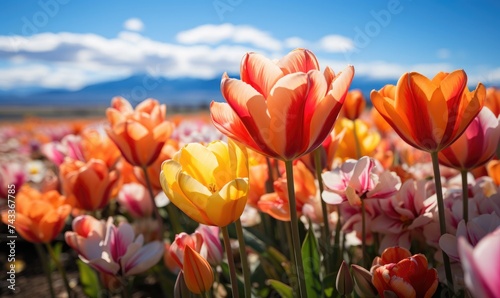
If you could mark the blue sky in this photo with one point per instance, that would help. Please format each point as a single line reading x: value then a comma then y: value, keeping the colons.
x: 70, y: 43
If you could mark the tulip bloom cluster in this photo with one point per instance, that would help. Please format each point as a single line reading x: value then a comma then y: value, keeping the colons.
x: 290, y: 149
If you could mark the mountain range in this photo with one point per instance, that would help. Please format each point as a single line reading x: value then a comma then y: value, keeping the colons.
x: 183, y: 92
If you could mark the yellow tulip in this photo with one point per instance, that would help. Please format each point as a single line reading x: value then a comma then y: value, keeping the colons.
x: 368, y: 139
x: 208, y: 183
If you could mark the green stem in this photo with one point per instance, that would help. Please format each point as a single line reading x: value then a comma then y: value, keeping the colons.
x: 294, y: 222
x: 442, y: 219
x: 60, y: 268
x: 205, y: 294
x: 324, y: 209
x: 155, y: 208
x: 465, y: 195
x: 46, y: 267
x: 288, y: 232
x: 337, y: 245
x: 270, y: 178
x: 356, y: 140
x: 230, y: 261
x: 363, y: 233
x: 244, y: 259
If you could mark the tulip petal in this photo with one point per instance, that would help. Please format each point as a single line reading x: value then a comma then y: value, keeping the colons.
x: 144, y: 259
x: 401, y: 287
x: 195, y: 191
x: 227, y: 205
x: 228, y: 122
x: 199, y: 162
x: 327, y: 110
x: 298, y: 60
x: 394, y: 255
x: 286, y: 110
x: 168, y: 180
x: 259, y: 72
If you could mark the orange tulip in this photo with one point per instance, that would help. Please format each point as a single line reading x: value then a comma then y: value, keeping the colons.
x: 430, y: 114
x: 354, y: 104
x: 167, y: 152
x: 379, y: 122
x: 276, y: 203
x: 284, y: 109
x: 198, y: 274
x: 39, y: 217
x: 90, y: 185
x: 141, y: 133
x: 492, y: 100
x: 404, y: 275
x: 493, y: 169
x: 96, y: 144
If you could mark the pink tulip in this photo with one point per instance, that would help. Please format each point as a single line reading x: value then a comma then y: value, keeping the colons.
x: 212, y: 246
x: 359, y: 179
x: 70, y: 146
x: 472, y: 232
x: 135, y: 198
x: 480, y: 264
x: 409, y: 210
x: 12, y: 176
x: 111, y: 249
x: 476, y: 146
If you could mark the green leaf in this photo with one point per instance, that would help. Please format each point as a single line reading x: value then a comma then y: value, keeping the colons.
x: 57, y: 248
x: 284, y: 290
x: 329, y: 290
x: 312, y: 264
x: 89, y: 280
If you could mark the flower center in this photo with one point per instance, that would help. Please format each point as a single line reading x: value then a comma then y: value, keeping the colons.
x: 212, y: 187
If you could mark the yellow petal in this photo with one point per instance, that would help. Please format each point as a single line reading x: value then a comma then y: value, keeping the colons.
x: 198, y: 162
x: 170, y: 185
x: 227, y: 205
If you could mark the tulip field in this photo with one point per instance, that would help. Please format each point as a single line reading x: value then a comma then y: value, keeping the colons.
x: 296, y: 186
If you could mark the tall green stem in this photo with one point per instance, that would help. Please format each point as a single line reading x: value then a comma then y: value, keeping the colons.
x: 46, y: 267
x: 363, y: 233
x: 442, y: 219
x: 60, y: 268
x: 324, y: 209
x: 244, y: 259
x: 356, y: 140
x: 294, y: 222
x: 337, y: 245
x: 289, y: 241
x: 465, y: 195
x: 230, y: 260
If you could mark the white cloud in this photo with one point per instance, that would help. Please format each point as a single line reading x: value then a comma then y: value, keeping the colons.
x: 295, y: 42
x: 73, y: 60
x: 336, y: 44
x: 383, y: 70
x: 443, y: 54
x: 133, y: 24
x: 214, y: 34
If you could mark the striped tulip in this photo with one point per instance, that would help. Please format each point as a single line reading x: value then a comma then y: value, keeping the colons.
x: 476, y: 146
x: 281, y: 109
